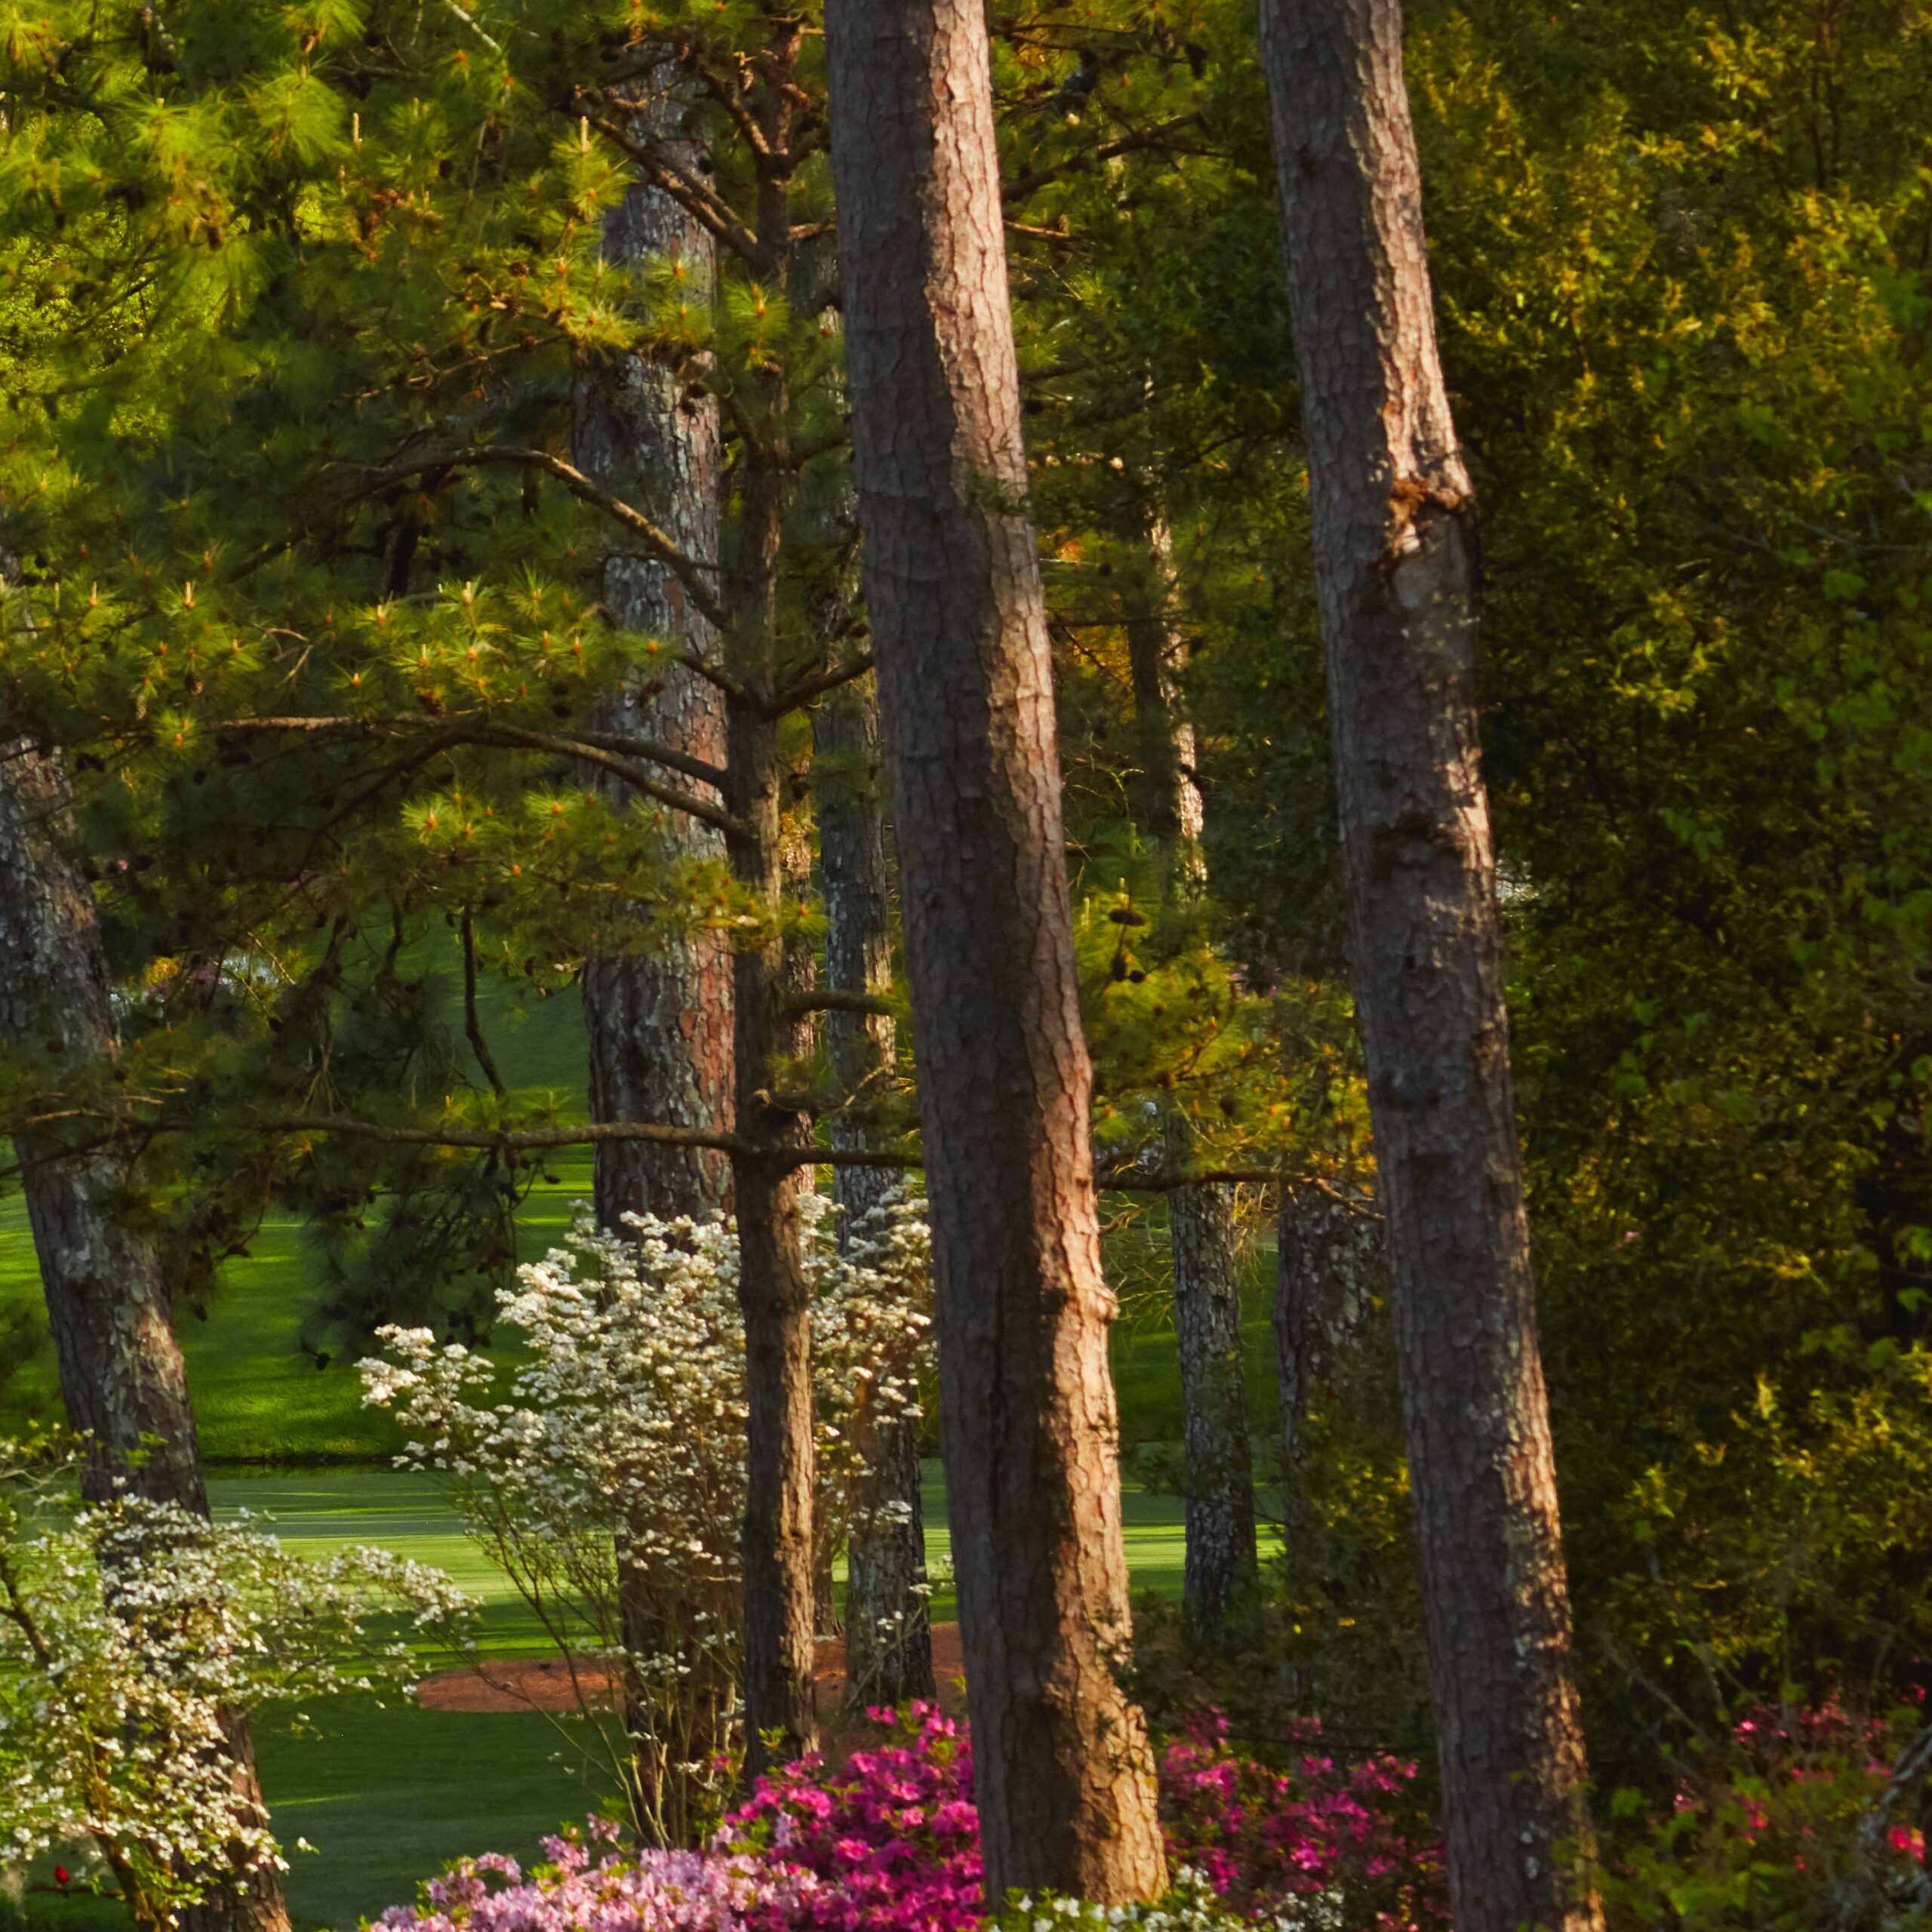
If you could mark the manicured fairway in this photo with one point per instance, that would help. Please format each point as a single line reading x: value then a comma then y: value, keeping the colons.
x: 387, y: 1794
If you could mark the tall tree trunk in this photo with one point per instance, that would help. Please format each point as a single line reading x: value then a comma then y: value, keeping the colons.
x: 1394, y: 572
x: 888, y: 1627
x: 660, y: 1023
x: 771, y: 1031
x: 1064, y: 1778
x: 1221, y: 1557
x: 122, y: 1375
x: 780, y: 1604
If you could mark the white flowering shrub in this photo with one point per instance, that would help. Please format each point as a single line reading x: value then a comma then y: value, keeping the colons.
x: 131, y: 1634
x: 607, y: 1477
x: 1192, y: 1905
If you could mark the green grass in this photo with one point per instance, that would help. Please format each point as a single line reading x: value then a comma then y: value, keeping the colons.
x: 388, y: 1795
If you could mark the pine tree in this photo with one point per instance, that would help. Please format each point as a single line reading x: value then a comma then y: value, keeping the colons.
x: 1395, y: 568
x: 1063, y: 1781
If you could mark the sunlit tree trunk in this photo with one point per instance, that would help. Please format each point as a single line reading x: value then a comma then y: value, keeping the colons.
x: 659, y: 1022
x: 1395, y: 575
x: 122, y: 1379
x: 1062, y: 1777
x: 888, y: 1634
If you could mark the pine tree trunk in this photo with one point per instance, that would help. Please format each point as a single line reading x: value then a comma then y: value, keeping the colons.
x: 660, y: 1023
x: 1394, y: 571
x: 122, y: 1379
x: 1221, y: 1557
x: 888, y: 1629
x: 1064, y: 1778
x: 770, y: 1031
x: 781, y: 1596
x: 1327, y: 1252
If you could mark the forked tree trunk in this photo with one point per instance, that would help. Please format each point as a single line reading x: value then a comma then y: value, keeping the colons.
x: 1222, y: 1559
x: 122, y: 1379
x: 1395, y: 573
x: 1063, y: 1778
x: 660, y: 1023
x: 888, y: 1626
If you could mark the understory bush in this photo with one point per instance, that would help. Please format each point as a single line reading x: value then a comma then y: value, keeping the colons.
x: 610, y: 1485
x: 133, y: 1634
x: 890, y: 1842
x: 1804, y: 1820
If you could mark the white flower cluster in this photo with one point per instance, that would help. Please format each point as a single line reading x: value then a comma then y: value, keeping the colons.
x: 1192, y: 1906
x: 605, y: 1473
x: 130, y: 1635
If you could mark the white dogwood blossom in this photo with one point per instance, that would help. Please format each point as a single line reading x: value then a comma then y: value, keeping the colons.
x: 132, y: 1633
x: 604, y: 1471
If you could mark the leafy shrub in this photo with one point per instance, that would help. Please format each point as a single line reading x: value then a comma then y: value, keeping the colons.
x: 1806, y: 1818
x: 610, y: 1488
x: 890, y: 1843
x: 131, y: 1633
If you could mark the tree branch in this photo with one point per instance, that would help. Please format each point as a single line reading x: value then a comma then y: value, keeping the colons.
x: 686, y: 569
x: 691, y: 194
x: 838, y: 999
x: 396, y: 725
x: 819, y: 683
x: 1031, y: 182
x: 673, y: 795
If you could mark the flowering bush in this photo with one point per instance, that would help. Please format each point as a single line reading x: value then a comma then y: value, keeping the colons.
x: 1264, y: 1838
x: 610, y: 1488
x: 890, y: 1843
x: 1807, y: 1817
x: 128, y: 1633
x: 590, y: 1885
x: 895, y: 1836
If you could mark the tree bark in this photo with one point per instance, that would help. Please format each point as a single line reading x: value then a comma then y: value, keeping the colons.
x: 769, y: 1034
x: 1063, y: 1773
x: 888, y: 1624
x: 1394, y: 571
x: 1327, y: 1252
x: 122, y: 1378
x: 1222, y: 1557
x: 660, y: 1023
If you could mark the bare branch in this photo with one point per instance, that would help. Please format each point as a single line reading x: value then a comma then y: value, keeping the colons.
x: 839, y: 999
x: 686, y: 189
x: 673, y: 795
